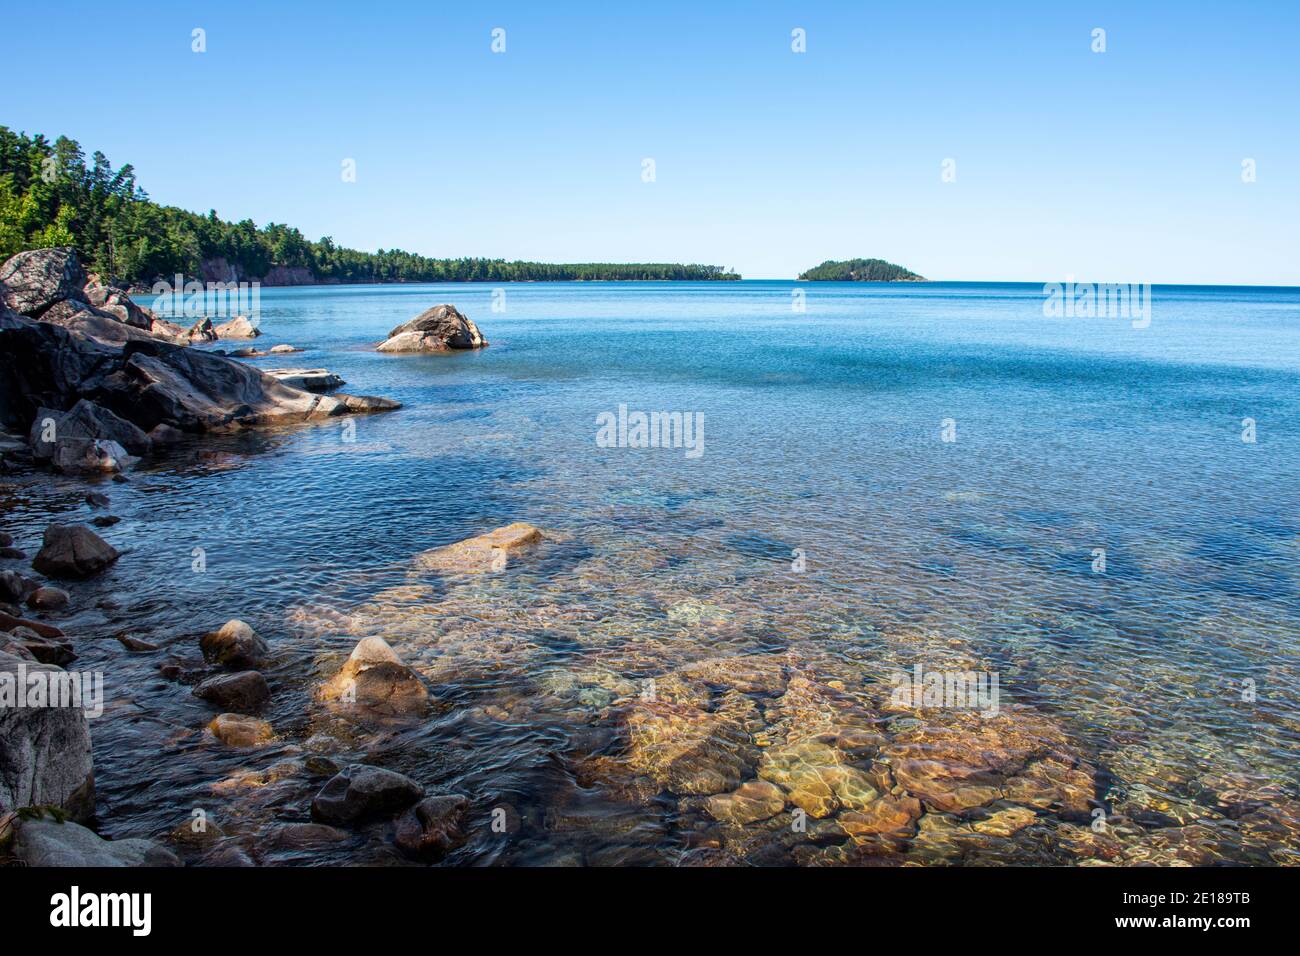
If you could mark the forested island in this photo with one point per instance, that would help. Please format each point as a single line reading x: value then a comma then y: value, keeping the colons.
x: 50, y: 195
x: 860, y: 270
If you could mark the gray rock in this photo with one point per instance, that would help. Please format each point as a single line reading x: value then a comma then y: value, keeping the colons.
x: 50, y: 843
x: 237, y: 328
x: 33, y: 281
x: 308, y: 379
x: 244, y: 692
x: 360, y: 792
x: 26, y: 643
x: 15, y: 587
x: 45, y: 756
x: 79, y: 440
x: 439, y: 329
x: 234, y: 645
x: 73, y: 551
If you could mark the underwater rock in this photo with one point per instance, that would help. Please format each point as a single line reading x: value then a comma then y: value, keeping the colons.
x: 237, y: 730
x: 885, y: 816
x: 815, y: 778
x: 487, y: 552
x: 686, y: 750
x: 752, y: 801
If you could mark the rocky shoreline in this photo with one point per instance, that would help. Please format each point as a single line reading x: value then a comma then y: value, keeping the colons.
x: 698, y: 739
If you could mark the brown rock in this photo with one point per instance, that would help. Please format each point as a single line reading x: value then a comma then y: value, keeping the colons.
x: 432, y: 828
x: 439, y: 329
x: 487, y: 552
x: 48, y: 599
x: 234, y: 645
x: 236, y: 730
x: 73, y: 551
x: 243, y: 693
x: 754, y: 800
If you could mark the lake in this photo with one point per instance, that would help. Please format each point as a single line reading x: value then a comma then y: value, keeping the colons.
x: 1100, y: 517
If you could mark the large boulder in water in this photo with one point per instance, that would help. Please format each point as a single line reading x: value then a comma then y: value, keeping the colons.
x: 45, y: 756
x: 377, y: 683
x: 76, y: 441
x: 440, y: 329
x: 33, y: 281
x: 197, y: 391
x: 237, y: 328
x: 45, y: 842
x: 73, y: 551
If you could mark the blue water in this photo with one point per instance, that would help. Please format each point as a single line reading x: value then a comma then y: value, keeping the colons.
x: 823, y: 432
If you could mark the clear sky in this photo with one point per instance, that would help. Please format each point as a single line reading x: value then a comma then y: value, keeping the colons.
x: 1117, y: 166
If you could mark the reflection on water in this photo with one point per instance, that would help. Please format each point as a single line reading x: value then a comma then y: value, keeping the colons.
x: 697, y: 666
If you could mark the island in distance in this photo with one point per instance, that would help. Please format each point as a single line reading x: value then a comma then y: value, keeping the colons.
x: 860, y: 270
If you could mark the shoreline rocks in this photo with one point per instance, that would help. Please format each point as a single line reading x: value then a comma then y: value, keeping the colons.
x: 243, y: 692
x: 307, y: 379
x: 47, y: 842
x: 439, y: 329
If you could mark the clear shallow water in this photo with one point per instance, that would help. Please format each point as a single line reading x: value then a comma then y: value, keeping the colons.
x: 822, y: 433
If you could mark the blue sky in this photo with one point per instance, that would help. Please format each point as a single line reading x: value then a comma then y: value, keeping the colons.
x: 1115, y: 166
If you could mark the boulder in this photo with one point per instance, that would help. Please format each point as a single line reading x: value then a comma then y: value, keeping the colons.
x: 234, y: 645
x: 45, y: 756
x: 439, y: 329
x: 238, y: 730
x: 73, y: 551
x: 197, y: 391
x: 118, y: 303
x: 375, y: 681
x: 686, y: 750
x: 491, y: 551
x: 48, y: 599
x: 244, y: 692
x: 201, y: 331
x: 86, y: 439
x: 26, y: 643
x: 33, y: 281
x: 308, y: 379
x: 433, y: 827
x: 283, y: 349
x: 815, y: 777
x: 99, y: 326
x: 45, y: 366
x: 361, y: 792
x: 14, y: 587
x: 46, y: 842
x: 237, y: 328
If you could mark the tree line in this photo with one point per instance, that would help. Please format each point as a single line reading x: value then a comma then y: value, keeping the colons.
x: 51, y: 195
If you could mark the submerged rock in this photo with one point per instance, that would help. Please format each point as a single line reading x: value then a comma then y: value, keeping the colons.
x: 361, y: 792
x: 73, y: 551
x: 753, y: 801
x: 432, y: 828
x: 816, y: 779
x: 487, y: 552
x: 439, y: 329
x: 237, y: 730
x: 234, y: 645
x: 42, y: 842
x: 45, y: 756
x: 686, y: 750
